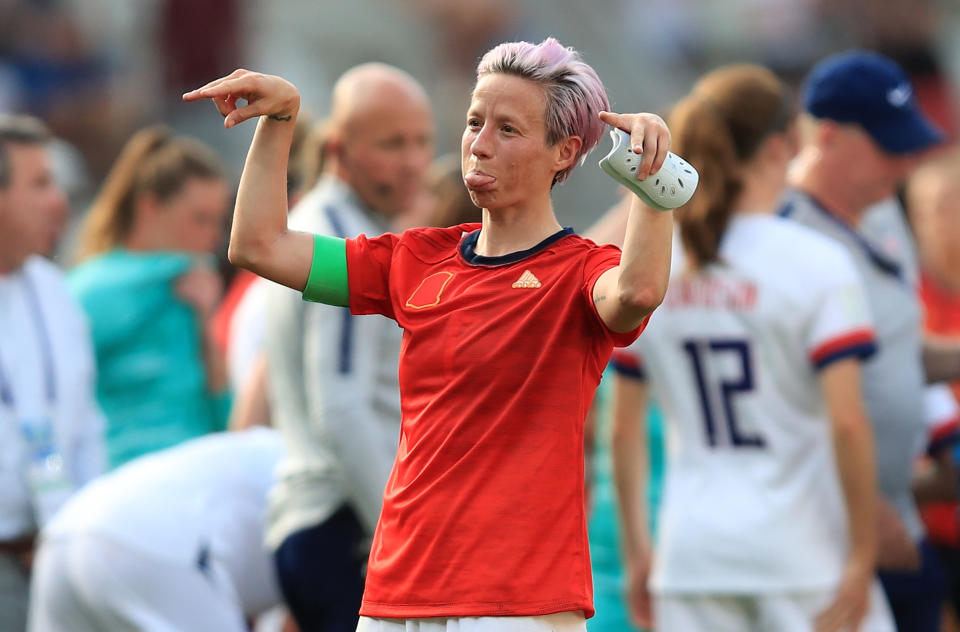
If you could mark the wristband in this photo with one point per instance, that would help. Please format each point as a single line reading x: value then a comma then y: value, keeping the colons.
x: 327, y: 282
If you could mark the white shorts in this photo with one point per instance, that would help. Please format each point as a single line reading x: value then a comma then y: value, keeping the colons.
x: 788, y: 612
x: 558, y: 622
x: 86, y: 583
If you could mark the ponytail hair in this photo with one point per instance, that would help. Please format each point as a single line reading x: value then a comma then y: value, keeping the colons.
x: 153, y: 161
x: 718, y: 128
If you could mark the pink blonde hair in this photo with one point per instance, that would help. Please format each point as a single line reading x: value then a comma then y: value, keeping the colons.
x: 574, y: 92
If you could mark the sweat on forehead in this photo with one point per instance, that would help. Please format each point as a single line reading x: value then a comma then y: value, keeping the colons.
x: 574, y: 93
x: 369, y: 85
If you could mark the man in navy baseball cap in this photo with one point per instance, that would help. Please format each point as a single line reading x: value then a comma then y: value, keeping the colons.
x: 862, y: 135
x: 873, y: 92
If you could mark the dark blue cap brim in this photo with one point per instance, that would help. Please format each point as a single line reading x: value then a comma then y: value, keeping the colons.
x: 910, y: 132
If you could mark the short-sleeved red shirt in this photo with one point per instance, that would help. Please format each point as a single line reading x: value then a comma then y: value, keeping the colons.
x: 483, y: 514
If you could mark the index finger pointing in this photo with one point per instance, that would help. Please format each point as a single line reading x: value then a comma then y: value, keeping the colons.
x: 223, y: 87
x: 190, y: 96
x: 194, y: 95
x: 610, y: 118
x: 616, y: 120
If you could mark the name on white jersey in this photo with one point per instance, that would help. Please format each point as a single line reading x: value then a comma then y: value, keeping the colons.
x: 733, y: 294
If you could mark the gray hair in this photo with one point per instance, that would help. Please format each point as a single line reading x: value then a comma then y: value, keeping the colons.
x: 18, y: 129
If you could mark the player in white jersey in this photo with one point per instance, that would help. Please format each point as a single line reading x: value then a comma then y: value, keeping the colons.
x: 172, y: 541
x: 767, y: 515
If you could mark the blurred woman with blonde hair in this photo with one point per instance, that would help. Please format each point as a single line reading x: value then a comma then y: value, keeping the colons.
x: 146, y: 281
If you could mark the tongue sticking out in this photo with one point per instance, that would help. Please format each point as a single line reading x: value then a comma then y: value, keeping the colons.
x: 476, y: 180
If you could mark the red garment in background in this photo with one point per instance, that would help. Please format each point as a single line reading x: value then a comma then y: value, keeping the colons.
x: 942, y: 313
x: 942, y: 318
x: 220, y: 323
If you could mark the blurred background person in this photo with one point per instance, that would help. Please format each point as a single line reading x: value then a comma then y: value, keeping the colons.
x: 933, y: 203
x: 932, y: 200
x: 604, y: 528
x: 146, y: 281
x: 51, y: 429
x: 935, y: 491
x: 767, y: 520
x: 862, y: 135
x: 333, y: 376
x: 170, y: 541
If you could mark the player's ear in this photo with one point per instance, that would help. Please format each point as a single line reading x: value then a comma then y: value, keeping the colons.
x: 826, y: 133
x: 775, y: 147
x: 333, y: 146
x: 146, y: 206
x: 567, y: 150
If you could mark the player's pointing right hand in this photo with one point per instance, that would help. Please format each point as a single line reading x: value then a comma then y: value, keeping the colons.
x: 266, y: 95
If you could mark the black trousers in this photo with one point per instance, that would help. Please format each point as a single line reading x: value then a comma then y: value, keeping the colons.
x: 321, y: 573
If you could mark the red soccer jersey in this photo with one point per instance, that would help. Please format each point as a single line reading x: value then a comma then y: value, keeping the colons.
x: 483, y: 513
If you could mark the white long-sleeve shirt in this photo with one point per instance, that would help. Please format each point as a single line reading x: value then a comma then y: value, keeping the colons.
x: 204, y: 499
x: 47, y: 371
x: 334, y: 390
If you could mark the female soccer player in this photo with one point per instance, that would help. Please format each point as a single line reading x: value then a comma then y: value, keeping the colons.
x: 754, y: 357
x: 507, y: 327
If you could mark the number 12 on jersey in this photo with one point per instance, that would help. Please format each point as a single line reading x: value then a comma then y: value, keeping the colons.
x: 705, y: 355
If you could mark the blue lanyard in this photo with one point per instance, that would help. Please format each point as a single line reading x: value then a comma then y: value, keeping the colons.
x: 880, y: 261
x: 46, y: 351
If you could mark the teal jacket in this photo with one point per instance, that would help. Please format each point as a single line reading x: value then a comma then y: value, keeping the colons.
x: 151, y: 376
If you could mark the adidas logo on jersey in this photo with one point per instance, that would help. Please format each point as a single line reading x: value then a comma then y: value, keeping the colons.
x: 527, y: 280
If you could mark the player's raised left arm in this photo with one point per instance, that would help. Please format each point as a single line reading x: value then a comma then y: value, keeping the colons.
x: 259, y: 239
x: 625, y: 295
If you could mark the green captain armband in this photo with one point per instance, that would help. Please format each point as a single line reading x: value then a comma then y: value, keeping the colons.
x: 327, y: 282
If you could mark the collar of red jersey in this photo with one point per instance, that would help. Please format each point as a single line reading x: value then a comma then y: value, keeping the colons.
x: 469, y: 243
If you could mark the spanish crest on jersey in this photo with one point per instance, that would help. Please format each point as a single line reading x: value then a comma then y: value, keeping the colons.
x: 430, y: 290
